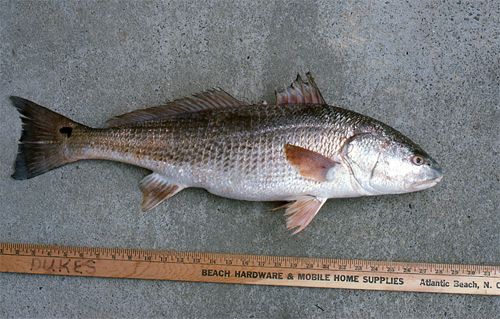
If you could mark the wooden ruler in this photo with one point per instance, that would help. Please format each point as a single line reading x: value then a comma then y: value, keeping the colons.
x: 247, y: 269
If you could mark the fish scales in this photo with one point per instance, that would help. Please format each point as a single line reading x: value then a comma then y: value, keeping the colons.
x: 241, y: 145
x: 300, y: 150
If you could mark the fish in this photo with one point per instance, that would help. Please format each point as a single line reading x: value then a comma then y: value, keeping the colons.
x: 300, y: 150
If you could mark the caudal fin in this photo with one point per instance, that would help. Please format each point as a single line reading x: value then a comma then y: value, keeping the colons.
x: 44, y: 140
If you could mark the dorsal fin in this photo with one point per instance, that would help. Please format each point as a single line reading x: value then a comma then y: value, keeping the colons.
x: 300, y: 92
x: 209, y: 100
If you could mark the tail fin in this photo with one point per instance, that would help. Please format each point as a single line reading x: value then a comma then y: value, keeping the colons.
x: 43, y: 143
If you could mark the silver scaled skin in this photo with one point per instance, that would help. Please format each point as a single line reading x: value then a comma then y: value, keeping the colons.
x: 300, y: 150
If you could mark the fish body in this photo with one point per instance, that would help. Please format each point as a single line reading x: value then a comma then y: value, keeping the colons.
x: 300, y: 150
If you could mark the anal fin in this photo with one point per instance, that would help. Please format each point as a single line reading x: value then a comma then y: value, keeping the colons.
x: 302, y: 211
x: 155, y: 189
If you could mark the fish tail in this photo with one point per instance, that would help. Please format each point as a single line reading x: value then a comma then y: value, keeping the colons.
x: 44, y: 139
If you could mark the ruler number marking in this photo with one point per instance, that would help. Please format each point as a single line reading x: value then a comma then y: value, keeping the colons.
x: 310, y: 272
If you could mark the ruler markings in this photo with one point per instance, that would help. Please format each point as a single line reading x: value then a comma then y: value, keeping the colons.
x: 249, y: 269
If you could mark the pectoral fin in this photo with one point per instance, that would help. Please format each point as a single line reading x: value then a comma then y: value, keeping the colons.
x: 302, y: 211
x: 311, y: 165
x: 155, y: 189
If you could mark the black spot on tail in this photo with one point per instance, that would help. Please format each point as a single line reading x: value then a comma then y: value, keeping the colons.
x: 66, y: 131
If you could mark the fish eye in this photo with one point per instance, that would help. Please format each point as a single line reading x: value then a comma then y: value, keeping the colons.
x: 418, y: 160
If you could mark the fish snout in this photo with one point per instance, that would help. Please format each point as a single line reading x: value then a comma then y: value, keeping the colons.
x: 435, y: 171
x: 433, y: 175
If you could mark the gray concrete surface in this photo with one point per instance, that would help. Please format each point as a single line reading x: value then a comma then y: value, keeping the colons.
x: 428, y: 68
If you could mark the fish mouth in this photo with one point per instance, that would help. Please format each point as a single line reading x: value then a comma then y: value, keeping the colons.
x: 435, y: 177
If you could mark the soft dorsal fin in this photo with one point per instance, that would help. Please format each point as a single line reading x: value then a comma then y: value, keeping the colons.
x: 300, y: 92
x: 209, y: 100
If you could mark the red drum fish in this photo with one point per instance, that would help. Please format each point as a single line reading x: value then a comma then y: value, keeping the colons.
x: 300, y: 150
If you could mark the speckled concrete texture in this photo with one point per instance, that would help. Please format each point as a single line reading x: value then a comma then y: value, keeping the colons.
x: 428, y: 68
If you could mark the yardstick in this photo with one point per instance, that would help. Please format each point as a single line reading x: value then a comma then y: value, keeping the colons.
x: 249, y: 269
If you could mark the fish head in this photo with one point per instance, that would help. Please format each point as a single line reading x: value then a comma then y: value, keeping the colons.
x: 390, y: 164
x: 403, y: 168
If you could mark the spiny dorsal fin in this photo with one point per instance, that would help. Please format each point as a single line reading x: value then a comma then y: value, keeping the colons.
x: 155, y: 189
x: 209, y: 100
x: 300, y: 92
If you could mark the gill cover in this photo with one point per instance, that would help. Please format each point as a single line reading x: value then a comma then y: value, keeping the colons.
x: 361, y: 153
